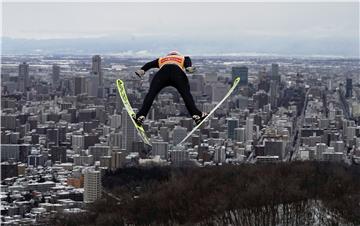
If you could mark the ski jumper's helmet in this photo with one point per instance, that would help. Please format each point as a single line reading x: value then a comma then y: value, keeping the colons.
x: 174, y: 53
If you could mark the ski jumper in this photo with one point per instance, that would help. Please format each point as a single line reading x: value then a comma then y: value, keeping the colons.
x: 171, y: 73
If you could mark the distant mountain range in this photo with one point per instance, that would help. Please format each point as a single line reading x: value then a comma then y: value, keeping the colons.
x: 145, y: 46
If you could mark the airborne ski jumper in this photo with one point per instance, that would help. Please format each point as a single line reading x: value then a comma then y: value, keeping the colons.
x: 171, y: 73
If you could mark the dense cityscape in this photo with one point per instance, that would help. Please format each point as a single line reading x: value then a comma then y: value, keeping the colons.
x: 63, y: 124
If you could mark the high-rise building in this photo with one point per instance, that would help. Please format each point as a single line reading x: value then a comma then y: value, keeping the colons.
x: 92, y: 185
x: 118, y: 158
x: 220, y: 155
x: 98, y: 74
x: 241, y: 72
x: 160, y: 148
x: 79, y: 85
x: 179, y: 133
x: 129, y: 134
x: 96, y: 68
x: 249, y: 128
x: 240, y: 134
x: 275, y: 72
x: 348, y: 87
x: 23, y: 80
x: 55, y: 74
x: 273, y: 94
x: 232, y: 124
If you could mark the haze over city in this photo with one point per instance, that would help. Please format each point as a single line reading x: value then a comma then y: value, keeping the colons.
x: 283, y: 28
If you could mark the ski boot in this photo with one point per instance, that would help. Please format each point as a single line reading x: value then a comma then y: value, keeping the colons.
x: 139, y: 120
x: 198, y: 119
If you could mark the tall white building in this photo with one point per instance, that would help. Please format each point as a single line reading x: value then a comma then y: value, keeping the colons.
x: 220, y: 155
x: 319, y: 150
x: 92, y: 185
x: 129, y: 133
x: 249, y: 128
x: 118, y: 158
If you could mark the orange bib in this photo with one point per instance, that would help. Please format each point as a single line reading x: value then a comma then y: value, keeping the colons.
x: 173, y: 59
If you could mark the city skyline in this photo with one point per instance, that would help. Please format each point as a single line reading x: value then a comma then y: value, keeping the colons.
x: 66, y: 140
x: 144, y: 29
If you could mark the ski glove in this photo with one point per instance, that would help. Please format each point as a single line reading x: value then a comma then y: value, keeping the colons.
x: 190, y: 69
x: 140, y: 73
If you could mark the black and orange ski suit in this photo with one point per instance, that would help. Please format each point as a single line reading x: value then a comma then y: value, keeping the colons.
x: 171, y: 73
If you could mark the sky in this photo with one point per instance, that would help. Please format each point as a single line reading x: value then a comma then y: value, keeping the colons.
x: 306, y: 28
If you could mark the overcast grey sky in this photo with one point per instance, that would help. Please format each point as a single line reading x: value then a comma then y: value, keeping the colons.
x: 223, y: 22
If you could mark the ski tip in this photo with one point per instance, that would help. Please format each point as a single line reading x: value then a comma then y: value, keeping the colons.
x: 237, y: 79
x: 119, y: 81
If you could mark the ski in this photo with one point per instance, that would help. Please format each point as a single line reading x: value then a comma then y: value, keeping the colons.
x: 122, y: 92
x: 232, y: 88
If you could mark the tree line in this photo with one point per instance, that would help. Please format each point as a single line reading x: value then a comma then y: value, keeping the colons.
x: 297, y: 193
